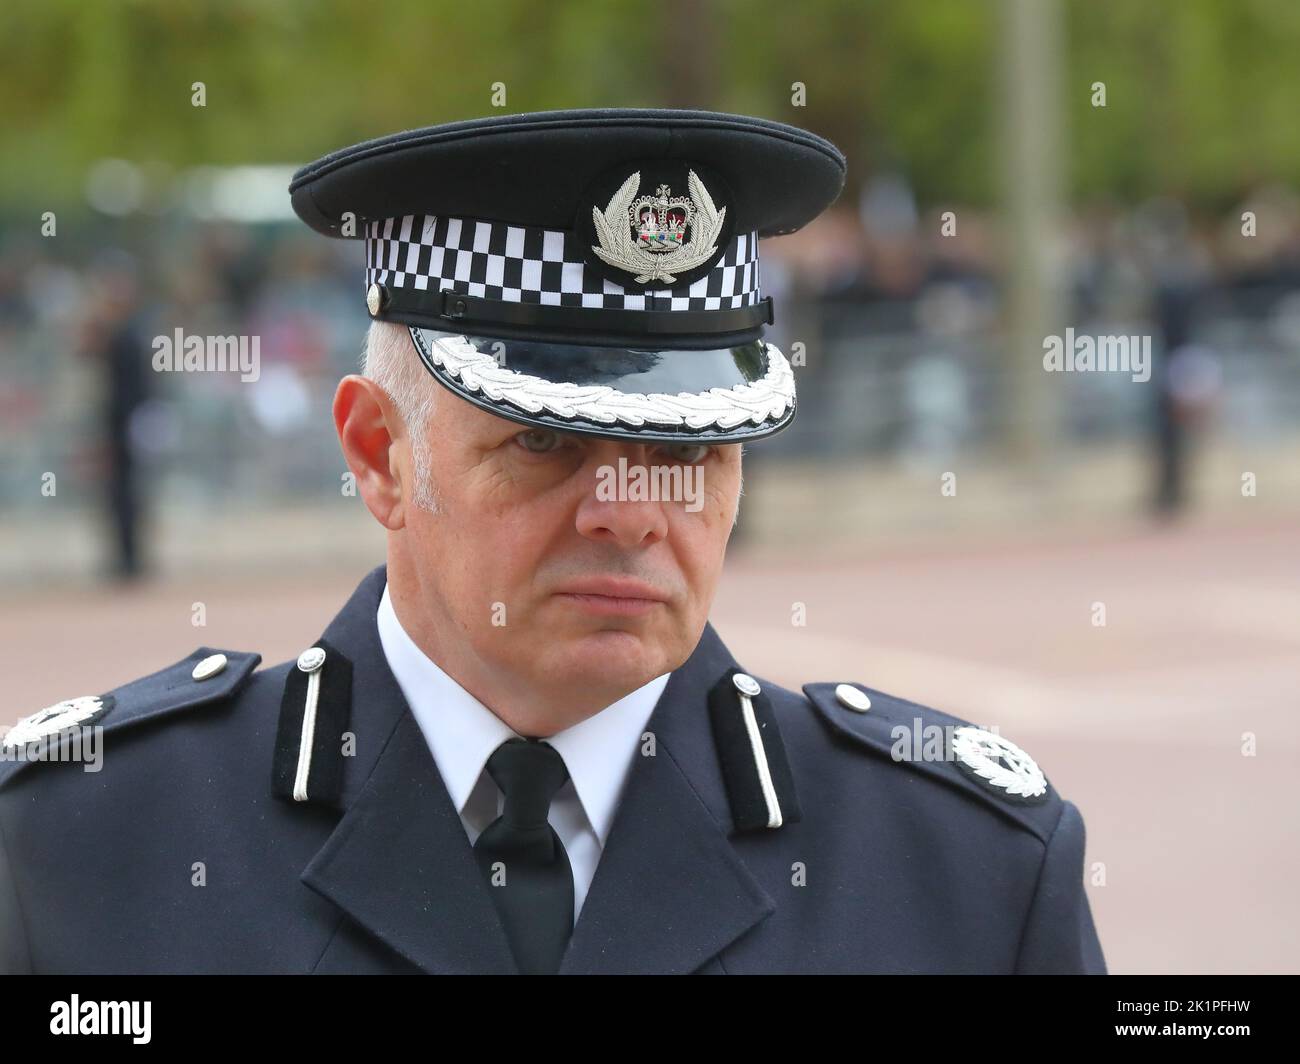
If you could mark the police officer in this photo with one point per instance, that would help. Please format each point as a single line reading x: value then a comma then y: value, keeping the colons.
x: 520, y: 746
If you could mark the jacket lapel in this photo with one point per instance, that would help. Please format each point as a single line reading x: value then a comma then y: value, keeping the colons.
x: 670, y: 893
x: 399, y: 862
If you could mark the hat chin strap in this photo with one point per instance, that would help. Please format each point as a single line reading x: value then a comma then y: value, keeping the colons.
x: 725, y: 408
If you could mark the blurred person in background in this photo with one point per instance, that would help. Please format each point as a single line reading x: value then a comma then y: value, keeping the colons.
x: 1183, y: 374
x: 114, y: 336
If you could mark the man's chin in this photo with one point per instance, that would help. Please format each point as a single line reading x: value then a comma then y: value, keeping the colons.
x: 622, y: 658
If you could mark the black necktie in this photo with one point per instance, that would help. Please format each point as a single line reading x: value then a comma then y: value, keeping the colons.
x: 532, y: 882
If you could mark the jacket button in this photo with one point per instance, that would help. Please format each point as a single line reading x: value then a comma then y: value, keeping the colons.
x: 851, y: 697
x: 210, y: 666
x: 311, y: 660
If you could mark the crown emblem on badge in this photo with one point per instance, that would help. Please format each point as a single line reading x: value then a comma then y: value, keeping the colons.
x: 660, y: 221
x: 647, y: 236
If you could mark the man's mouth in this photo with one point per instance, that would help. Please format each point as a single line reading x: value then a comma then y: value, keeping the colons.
x: 612, y: 596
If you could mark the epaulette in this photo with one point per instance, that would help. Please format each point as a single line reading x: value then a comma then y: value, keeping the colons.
x: 944, y: 748
x: 203, y: 677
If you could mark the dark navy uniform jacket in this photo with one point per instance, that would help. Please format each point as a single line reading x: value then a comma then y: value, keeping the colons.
x: 888, y: 866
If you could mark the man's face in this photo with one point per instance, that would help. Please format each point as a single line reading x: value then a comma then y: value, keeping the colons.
x: 535, y: 571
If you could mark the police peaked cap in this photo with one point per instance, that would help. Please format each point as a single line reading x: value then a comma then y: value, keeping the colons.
x: 591, y: 271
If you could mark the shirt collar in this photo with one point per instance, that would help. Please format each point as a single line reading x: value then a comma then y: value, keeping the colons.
x: 462, y: 733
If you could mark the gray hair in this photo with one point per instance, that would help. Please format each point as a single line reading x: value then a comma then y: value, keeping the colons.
x: 391, y: 362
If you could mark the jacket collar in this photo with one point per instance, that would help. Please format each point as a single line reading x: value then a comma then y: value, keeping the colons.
x: 462, y: 733
x: 669, y: 892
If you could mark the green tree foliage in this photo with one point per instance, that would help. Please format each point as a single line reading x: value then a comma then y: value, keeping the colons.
x: 1200, y: 93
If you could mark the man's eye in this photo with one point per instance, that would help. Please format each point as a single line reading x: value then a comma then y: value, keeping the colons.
x: 690, y: 453
x: 540, y: 441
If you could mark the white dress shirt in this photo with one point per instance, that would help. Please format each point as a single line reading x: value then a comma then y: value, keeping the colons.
x: 462, y: 734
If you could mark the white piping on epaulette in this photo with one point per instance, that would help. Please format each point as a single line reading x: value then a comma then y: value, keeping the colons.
x: 760, y: 761
x: 308, y: 737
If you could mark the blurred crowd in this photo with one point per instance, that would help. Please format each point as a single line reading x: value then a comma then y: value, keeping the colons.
x: 898, y: 315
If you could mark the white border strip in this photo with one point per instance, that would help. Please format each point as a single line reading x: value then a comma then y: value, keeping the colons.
x: 308, y: 737
x: 760, y: 762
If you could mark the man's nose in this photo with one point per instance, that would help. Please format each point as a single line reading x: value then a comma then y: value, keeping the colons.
x: 615, y: 508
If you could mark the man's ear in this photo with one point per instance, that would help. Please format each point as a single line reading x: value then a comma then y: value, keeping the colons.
x: 370, y: 428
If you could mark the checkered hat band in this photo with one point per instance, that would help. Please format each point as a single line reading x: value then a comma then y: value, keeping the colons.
x: 518, y: 264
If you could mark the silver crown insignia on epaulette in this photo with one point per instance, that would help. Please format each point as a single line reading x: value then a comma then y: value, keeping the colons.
x: 998, y: 763
x: 53, y: 719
